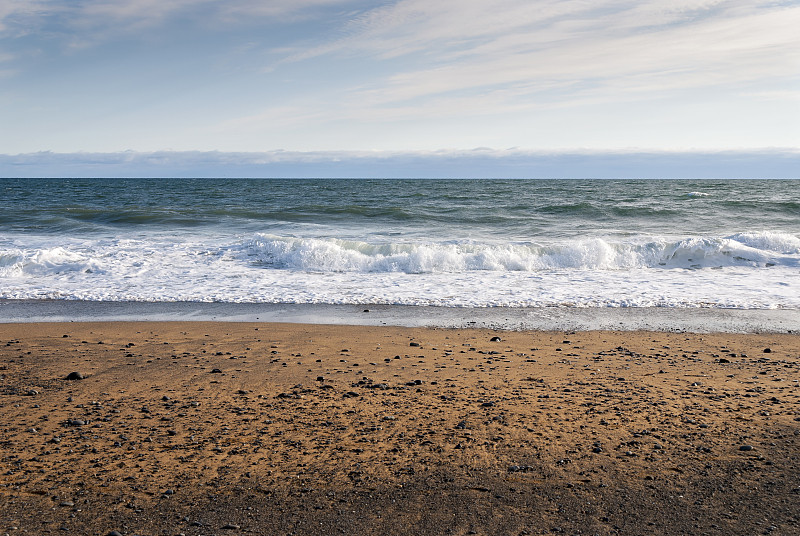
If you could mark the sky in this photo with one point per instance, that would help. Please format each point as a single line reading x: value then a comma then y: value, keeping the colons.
x: 420, y: 78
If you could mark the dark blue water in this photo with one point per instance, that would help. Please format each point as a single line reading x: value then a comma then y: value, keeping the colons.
x: 444, y: 242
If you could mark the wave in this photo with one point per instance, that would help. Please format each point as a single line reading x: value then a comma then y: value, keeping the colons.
x: 46, y: 261
x: 132, y: 258
x: 756, y: 250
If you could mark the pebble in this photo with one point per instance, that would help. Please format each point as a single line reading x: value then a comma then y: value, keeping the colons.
x: 75, y: 376
x: 114, y: 533
x: 495, y: 339
x: 746, y: 447
x: 230, y: 526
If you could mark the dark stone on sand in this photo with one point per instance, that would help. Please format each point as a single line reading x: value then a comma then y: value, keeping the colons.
x: 723, y: 360
x: 230, y: 526
x: 75, y: 376
x: 495, y: 339
x: 216, y: 371
x: 487, y: 405
x: 746, y: 448
x: 416, y: 344
x: 114, y: 533
x: 767, y: 350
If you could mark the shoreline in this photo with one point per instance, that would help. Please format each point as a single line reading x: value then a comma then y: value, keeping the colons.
x: 277, y: 428
x: 662, y: 319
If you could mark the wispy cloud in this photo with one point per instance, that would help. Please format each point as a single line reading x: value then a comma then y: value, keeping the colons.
x: 309, y: 73
x: 134, y: 14
x: 473, y: 45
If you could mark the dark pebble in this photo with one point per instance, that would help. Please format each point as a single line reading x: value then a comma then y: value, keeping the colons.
x: 114, y: 533
x: 75, y: 376
x: 767, y: 350
x: 495, y: 339
x: 746, y: 447
x: 413, y: 344
x: 216, y: 371
x: 230, y: 526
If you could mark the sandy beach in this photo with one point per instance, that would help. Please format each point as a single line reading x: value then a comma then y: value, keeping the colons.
x: 265, y: 428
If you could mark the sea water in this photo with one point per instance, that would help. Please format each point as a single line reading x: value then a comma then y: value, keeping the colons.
x: 451, y: 243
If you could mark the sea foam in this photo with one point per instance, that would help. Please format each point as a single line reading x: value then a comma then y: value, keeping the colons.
x: 334, y: 255
x: 745, y: 270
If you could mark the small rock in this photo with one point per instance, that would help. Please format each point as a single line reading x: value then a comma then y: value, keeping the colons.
x: 746, y: 448
x: 495, y: 339
x: 230, y: 526
x: 415, y: 344
x: 75, y: 376
x: 216, y: 371
x: 114, y: 533
x: 767, y: 350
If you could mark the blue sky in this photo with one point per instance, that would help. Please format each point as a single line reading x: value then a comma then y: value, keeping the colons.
x: 399, y: 77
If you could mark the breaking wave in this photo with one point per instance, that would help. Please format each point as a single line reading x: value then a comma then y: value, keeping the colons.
x: 757, y: 250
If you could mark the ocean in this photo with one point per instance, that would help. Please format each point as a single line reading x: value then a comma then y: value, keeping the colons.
x: 447, y: 243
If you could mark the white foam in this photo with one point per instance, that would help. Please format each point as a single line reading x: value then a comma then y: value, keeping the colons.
x: 746, y: 270
x: 333, y: 255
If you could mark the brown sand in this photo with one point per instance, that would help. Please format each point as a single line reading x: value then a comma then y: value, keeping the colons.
x: 225, y: 428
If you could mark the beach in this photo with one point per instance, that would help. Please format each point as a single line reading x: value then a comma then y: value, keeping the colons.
x: 278, y: 428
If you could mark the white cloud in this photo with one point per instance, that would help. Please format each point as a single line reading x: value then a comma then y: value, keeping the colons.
x: 519, y: 47
x: 442, y: 163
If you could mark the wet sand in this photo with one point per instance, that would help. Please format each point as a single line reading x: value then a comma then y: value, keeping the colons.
x: 256, y: 428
